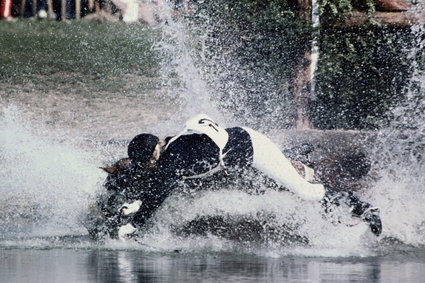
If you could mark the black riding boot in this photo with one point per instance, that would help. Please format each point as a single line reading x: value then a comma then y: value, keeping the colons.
x: 358, y: 208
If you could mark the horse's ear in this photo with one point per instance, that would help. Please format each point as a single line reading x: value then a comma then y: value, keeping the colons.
x: 109, y: 170
x: 123, y: 163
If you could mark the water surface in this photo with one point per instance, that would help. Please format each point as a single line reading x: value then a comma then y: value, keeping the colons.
x: 105, y: 265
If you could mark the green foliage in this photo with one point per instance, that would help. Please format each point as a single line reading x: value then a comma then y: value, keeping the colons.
x: 337, y: 10
x: 38, y: 48
x: 361, y: 75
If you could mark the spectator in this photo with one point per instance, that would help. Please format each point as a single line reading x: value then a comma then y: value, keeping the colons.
x: 39, y: 12
x: 6, y: 9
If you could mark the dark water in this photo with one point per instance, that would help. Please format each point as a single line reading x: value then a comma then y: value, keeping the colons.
x: 102, y: 265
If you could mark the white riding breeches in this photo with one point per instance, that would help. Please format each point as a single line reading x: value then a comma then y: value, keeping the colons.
x: 269, y: 159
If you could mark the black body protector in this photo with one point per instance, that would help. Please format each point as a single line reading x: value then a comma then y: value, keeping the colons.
x: 192, y: 156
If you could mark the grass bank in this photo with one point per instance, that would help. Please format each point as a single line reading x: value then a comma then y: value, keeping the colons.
x: 58, y: 54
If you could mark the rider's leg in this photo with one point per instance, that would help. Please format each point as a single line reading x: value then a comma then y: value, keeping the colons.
x: 269, y: 159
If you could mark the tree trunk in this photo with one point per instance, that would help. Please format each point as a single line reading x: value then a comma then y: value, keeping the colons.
x: 301, y: 90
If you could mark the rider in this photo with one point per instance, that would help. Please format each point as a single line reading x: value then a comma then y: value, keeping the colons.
x: 204, y: 148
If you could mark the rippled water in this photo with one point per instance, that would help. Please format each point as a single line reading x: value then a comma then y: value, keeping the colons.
x: 132, y: 265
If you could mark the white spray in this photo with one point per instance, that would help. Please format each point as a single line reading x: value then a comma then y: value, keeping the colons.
x: 46, y: 185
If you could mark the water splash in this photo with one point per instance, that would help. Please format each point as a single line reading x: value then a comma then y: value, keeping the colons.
x: 275, y: 222
x: 180, y: 73
x: 54, y: 182
x: 201, y: 77
x: 213, y: 68
x: 46, y: 184
x: 399, y: 159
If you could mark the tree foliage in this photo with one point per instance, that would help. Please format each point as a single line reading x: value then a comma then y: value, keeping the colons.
x: 337, y: 10
x: 362, y: 74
